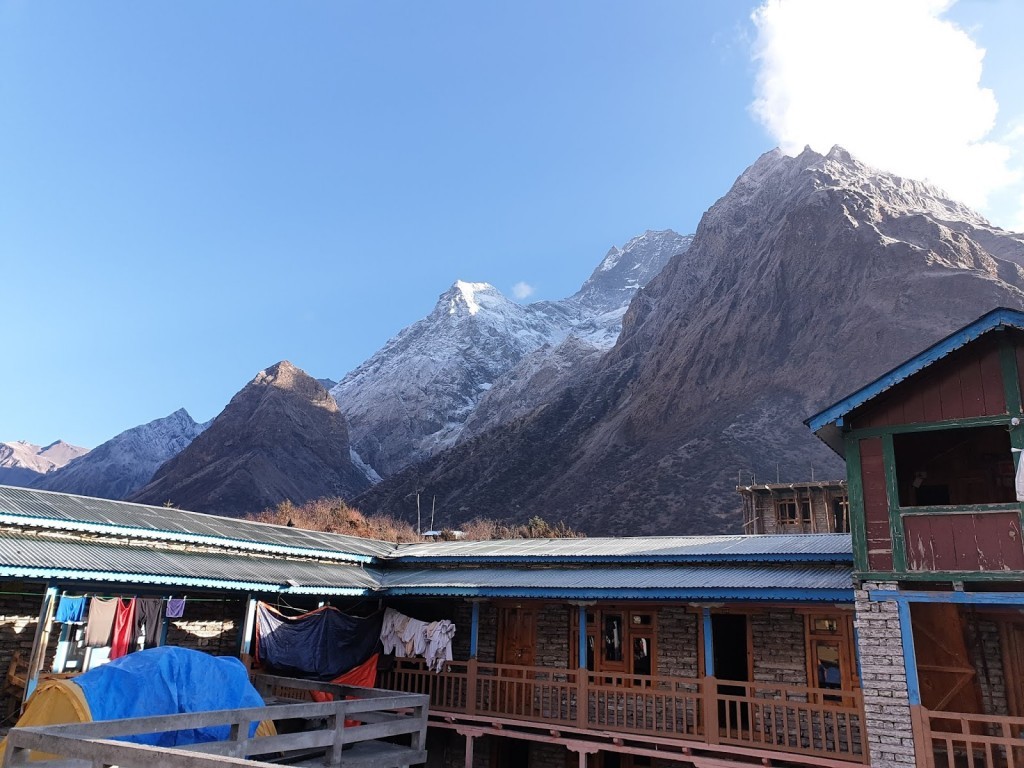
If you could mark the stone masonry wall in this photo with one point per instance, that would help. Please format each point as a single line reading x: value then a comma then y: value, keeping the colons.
x: 884, y: 680
x: 677, y: 642
x: 985, y: 647
x: 552, y: 637
x: 778, y: 647
x: 209, y: 625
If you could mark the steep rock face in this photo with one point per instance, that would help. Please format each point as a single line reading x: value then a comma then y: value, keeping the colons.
x: 811, y: 277
x: 23, y: 463
x: 126, y: 462
x: 281, y: 437
x: 413, y: 397
x: 535, y: 380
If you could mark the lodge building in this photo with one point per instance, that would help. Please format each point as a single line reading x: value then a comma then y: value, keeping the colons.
x: 899, y: 645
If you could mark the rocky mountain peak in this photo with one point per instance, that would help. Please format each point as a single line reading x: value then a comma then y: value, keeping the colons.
x: 813, y: 275
x: 439, y: 367
x: 127, y: 461
x: 281, y: 437
x: 465, y: 298
x: 290, y: 378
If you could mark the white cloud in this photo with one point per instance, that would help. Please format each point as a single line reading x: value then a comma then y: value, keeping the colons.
x: 893, y: 82
x: 522, y: 290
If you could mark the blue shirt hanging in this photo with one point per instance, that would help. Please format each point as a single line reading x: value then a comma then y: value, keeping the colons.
x: 70, y: 609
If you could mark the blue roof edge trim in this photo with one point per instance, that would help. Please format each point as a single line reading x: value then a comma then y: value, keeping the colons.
x: 996, y: 318
x: 832, y: 595
x: 69, y: 574
x: 471, y: 560
x: 8, y: 518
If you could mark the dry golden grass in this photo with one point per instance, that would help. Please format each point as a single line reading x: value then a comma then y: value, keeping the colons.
x: 333, y: 515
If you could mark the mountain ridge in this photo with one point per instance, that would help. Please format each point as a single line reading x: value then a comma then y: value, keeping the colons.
x: 804, y: 261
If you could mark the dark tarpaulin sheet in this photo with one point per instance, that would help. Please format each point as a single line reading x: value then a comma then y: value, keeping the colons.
x: 321, y: 644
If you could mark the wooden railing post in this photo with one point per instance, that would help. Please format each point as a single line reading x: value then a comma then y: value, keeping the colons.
x: 582, y: 697
x: 471, y: 686
x: 710, y: 710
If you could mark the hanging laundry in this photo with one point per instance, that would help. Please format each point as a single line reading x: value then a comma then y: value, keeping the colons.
x: 405, y: 636
x: 124, y: 629
x: 101, y: 621
x: 323, y: 643
x: 70, y: 610
x: 148, y: 619
x: 175, y: 607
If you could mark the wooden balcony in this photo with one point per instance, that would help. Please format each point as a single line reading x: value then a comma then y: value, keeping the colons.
x: 948, y: 739
x: 823, y: 726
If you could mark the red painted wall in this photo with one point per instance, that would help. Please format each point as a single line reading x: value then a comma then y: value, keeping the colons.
x: 966, y: 384
x: 876, y: 505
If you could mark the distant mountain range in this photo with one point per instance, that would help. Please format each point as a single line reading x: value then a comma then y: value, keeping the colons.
x: 23, y: 463
x: 629, y: 407
x: 126, y: 462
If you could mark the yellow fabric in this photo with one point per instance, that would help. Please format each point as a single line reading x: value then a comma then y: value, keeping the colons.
x: 61, y: 701
x: 53, y: 701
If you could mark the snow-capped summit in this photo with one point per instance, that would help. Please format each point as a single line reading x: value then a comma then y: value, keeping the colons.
x: 413, y: 396
x: 465, y: 297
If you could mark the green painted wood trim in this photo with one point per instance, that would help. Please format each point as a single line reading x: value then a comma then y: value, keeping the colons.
x: 1011, y: 387
x: 855, y: 498
x: 892, y: 492
x: 967, y: 577
x: 1001, y: 420
x: 967, y: 509
x: 1011, y: 377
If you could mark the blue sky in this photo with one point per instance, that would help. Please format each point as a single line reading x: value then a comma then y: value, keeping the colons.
x: 190, y: 192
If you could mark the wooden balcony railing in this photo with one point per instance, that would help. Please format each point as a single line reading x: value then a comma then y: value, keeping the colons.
x: 948, y: 739
x: 783, y: 718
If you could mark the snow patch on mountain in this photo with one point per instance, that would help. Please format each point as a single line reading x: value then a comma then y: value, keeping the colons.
x: 127, y: 461
x: 412, y: 398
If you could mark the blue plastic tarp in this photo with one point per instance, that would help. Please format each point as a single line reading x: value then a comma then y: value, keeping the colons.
x: 169, y: 681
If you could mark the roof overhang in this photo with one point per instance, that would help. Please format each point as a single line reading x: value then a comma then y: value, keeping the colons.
x: 827, y: 424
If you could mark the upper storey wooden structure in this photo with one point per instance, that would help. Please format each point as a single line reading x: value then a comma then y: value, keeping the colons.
x: 930, y: 459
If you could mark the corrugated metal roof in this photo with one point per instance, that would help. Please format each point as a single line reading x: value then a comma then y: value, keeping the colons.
x: 69, y: 559
x: 822, y: 547
x: 797, y: 581
x: 68, y: 512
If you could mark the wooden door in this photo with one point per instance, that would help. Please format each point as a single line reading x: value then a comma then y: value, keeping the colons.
x: 517, y: 632
x: 517, y: 635
x: 947, y: 677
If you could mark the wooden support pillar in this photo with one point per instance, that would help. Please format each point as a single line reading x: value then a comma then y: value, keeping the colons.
x: 42, y: 638
x: 709, y: 643
x: 909, y: 654
x: 469, y: 751
x: 474, y: 629
x: 245, y: 641
x: 582, y: 638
